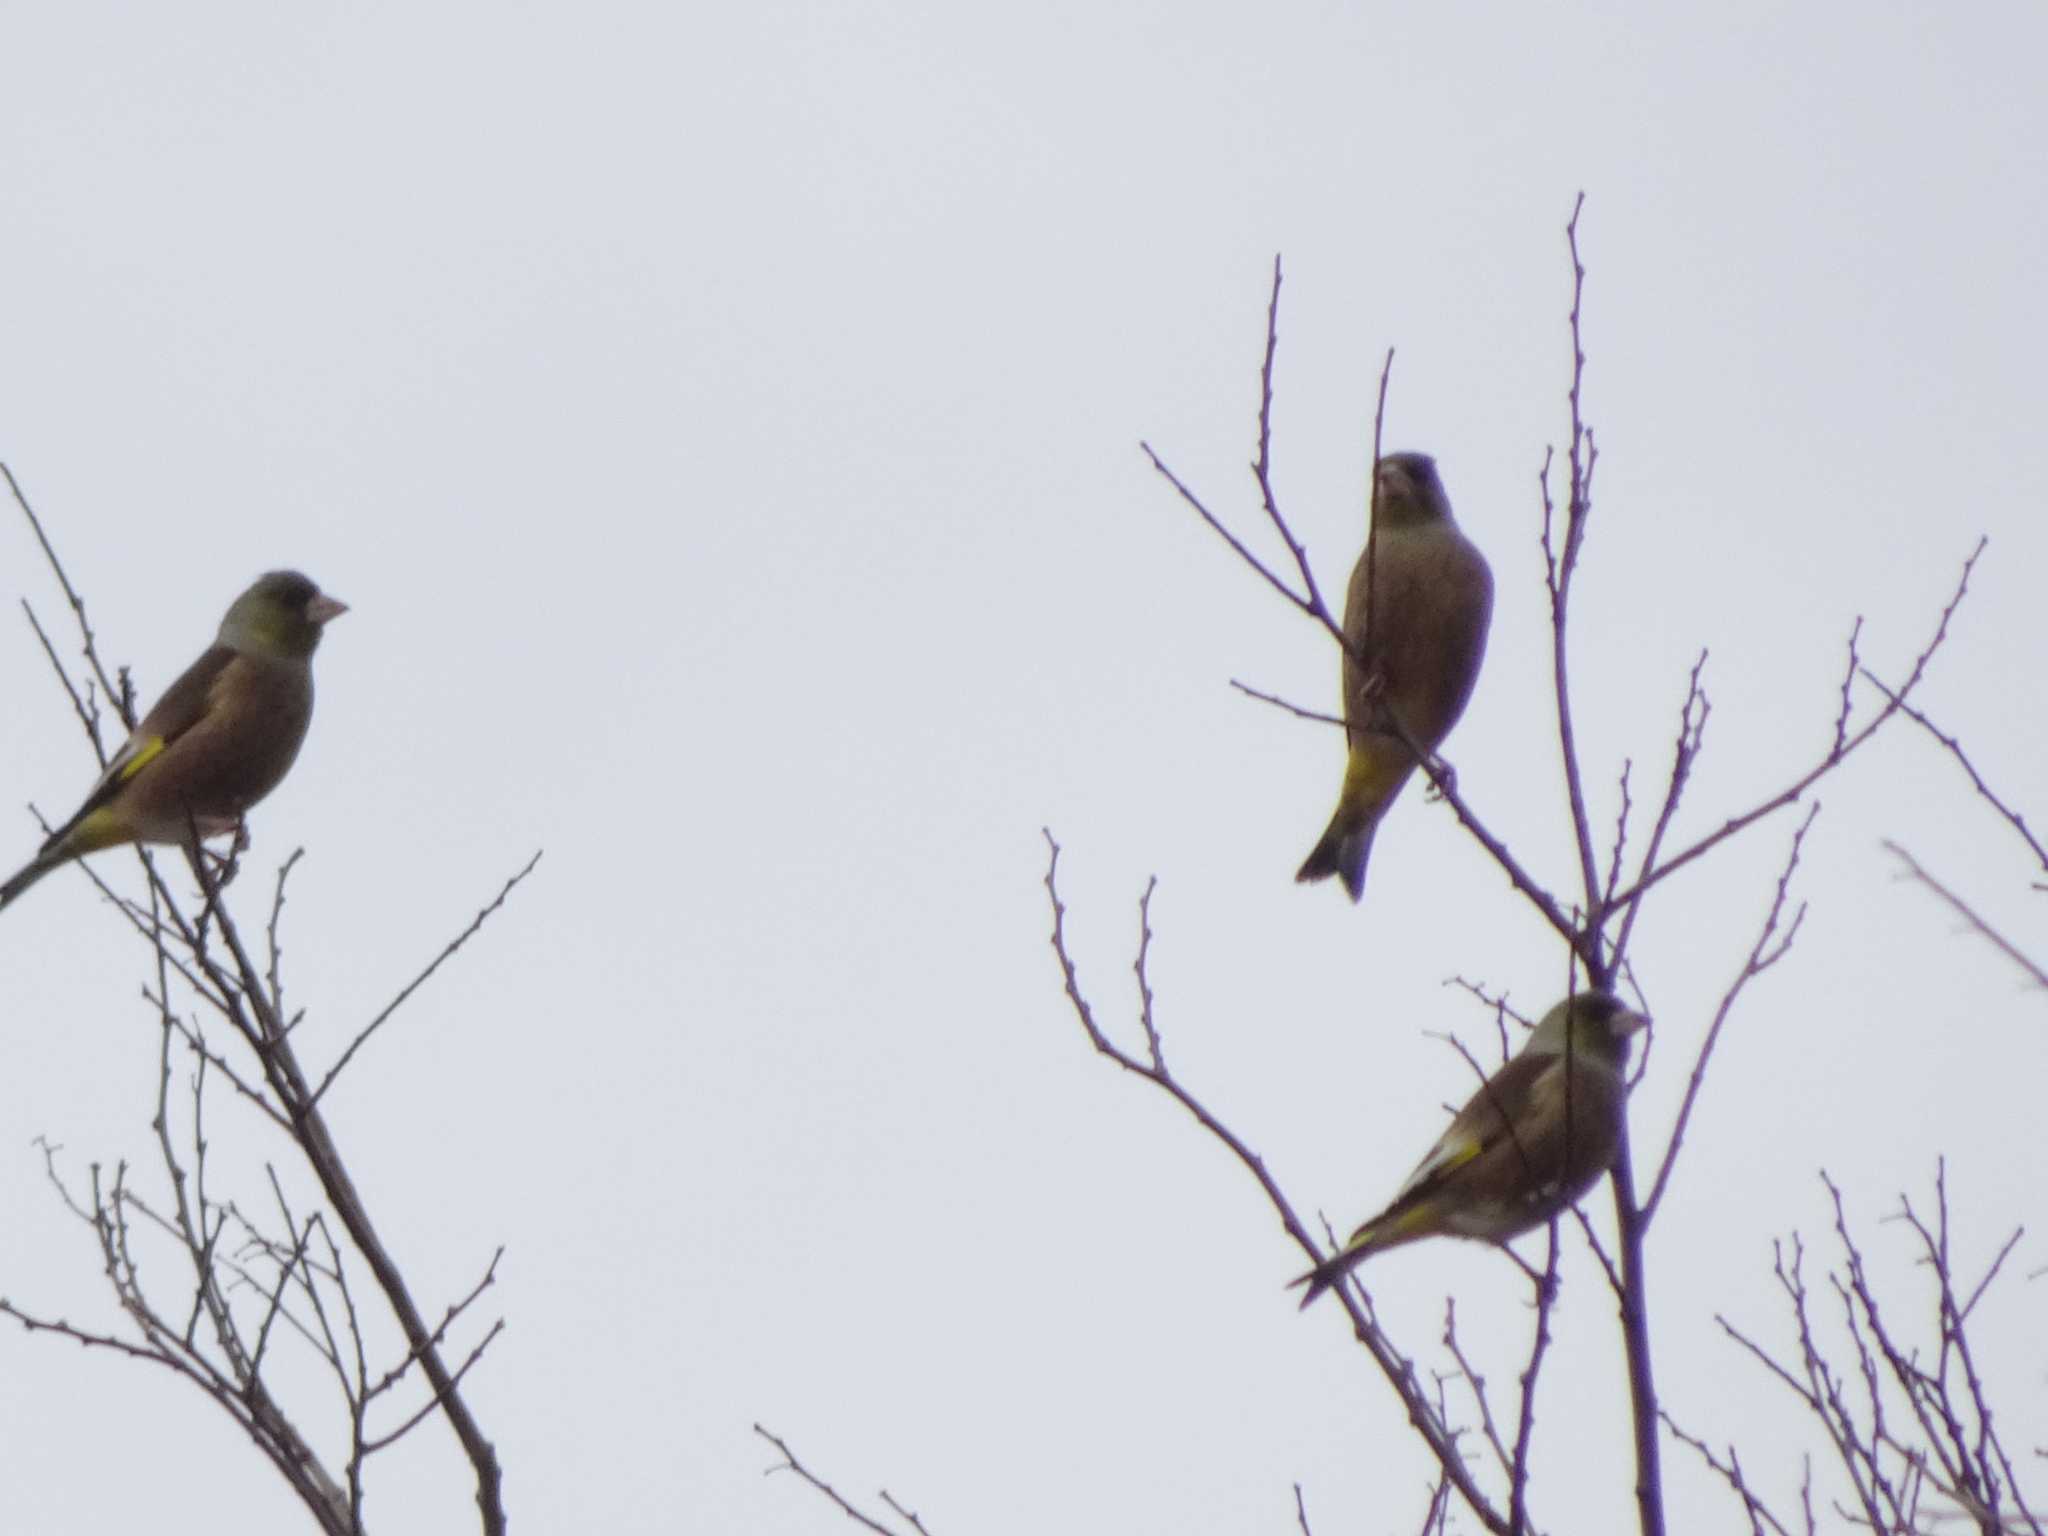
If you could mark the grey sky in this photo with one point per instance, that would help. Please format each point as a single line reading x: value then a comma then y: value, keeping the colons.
x: 723, y: 422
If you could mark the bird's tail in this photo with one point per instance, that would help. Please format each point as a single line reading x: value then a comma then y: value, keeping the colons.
x: 1373, y: 774
x: 1336, y: 1267
x: 1346, y: 845
x: 28, y: 875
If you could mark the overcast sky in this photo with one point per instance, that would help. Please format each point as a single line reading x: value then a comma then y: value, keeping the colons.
x: 723, y: 423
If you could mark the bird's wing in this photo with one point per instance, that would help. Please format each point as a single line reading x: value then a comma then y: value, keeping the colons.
x: 1511, y: 1096
x: 183, y: 705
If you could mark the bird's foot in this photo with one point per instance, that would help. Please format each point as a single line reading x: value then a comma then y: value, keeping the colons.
x: 1443, y: 779
x: 221, y: 867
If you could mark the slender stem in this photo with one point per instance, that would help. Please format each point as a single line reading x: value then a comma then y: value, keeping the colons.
x: 1635, y: 1333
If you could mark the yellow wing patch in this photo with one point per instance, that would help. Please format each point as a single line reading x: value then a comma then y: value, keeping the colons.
x: 147, y: 750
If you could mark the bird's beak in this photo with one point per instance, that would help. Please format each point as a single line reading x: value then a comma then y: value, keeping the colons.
x: 323, y: 608
x: 1628, y: 1021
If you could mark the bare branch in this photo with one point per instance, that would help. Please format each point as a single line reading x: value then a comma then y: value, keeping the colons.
x: 1262, y: 465
x: 1621, y: 816
x: 1926, y: 1426
x: 1633, y: 1301
x: 1312, y: 605
x: 218, y: 1332
x: 1436, y: 1518
x: 1730, y: 1471
x: 1475, y: 1383
x: 89, y: 649
x: 908, y: 1517
x: 483, y: 916
x: 1763, y: 954
x: 1546, y: 1298
x: 1398, y: 1371
x: 1955, y: 750
x: 1310, y: 600
x: 1962, y: 909
x: 274, y: 976
x: 1559, y: 566
x: 1444, y: 782
x: 1692, y: 731
x: 1372, y: 515
x: 791, y: 1464
x: 1293, y: 709
x: 1845, y: 743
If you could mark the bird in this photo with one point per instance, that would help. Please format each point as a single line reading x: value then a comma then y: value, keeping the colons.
x: 219, y: 740
x: 1525, y: 1147
x: 1415, y: 621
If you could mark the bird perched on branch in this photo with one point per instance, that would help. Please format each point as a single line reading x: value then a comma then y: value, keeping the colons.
x: 1526, y: 1146
x: 1415, y: 622
x: 218, y: 741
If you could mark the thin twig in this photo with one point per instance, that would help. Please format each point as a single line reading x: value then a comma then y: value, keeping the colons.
x: 1844, y: 745
x: 448, y: 950
x: 1955, y: 750
x: 209, y: 1345
x: 1365, y: 648
x: 1559, y: 568
x: 1152, y: 1067
x: 90, y: 649
x: 1293, y: 709
x: 791, y: 1464
x: 1763, y: 954
x: 1731, y: 1473
x: 1962, y: 909
x: 1475, y: 1383
x: 1685, y: 751
x: 1635, y: 1334
x: 1525, y: 1427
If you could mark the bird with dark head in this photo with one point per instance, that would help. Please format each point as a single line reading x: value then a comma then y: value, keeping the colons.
x: 1525, y: 1147
x: 1415, y: 621
x: 220, y: 739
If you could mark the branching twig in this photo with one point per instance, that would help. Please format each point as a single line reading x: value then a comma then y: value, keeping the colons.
x: 1845, y: 743
x: 1763, y: 954
x: 242, y: 1281
x: 1152, y: 1067
x: 1597, y: 929
x: 1559, y: 567
x: 1691, y: 737
x: 1730, y: 1471
x: 1310, y: 599
x: 1955, y: 750
x: 1962, y: 909
x: 1293, y: 709
x: 1525, y: 1427
x: 1926, y: 1423
x: 858, y: 1517
x: 77, y: 605
x: 484, y: 915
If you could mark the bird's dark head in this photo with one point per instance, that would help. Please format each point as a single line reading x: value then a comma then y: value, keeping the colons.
x: 1594, y: 1021
x: 282, y: 614
x: 1410, y: 492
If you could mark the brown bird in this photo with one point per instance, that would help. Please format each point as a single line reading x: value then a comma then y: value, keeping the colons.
x: 218, y: 741
x: 1413, y: 646
x: 1526, y: 1146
